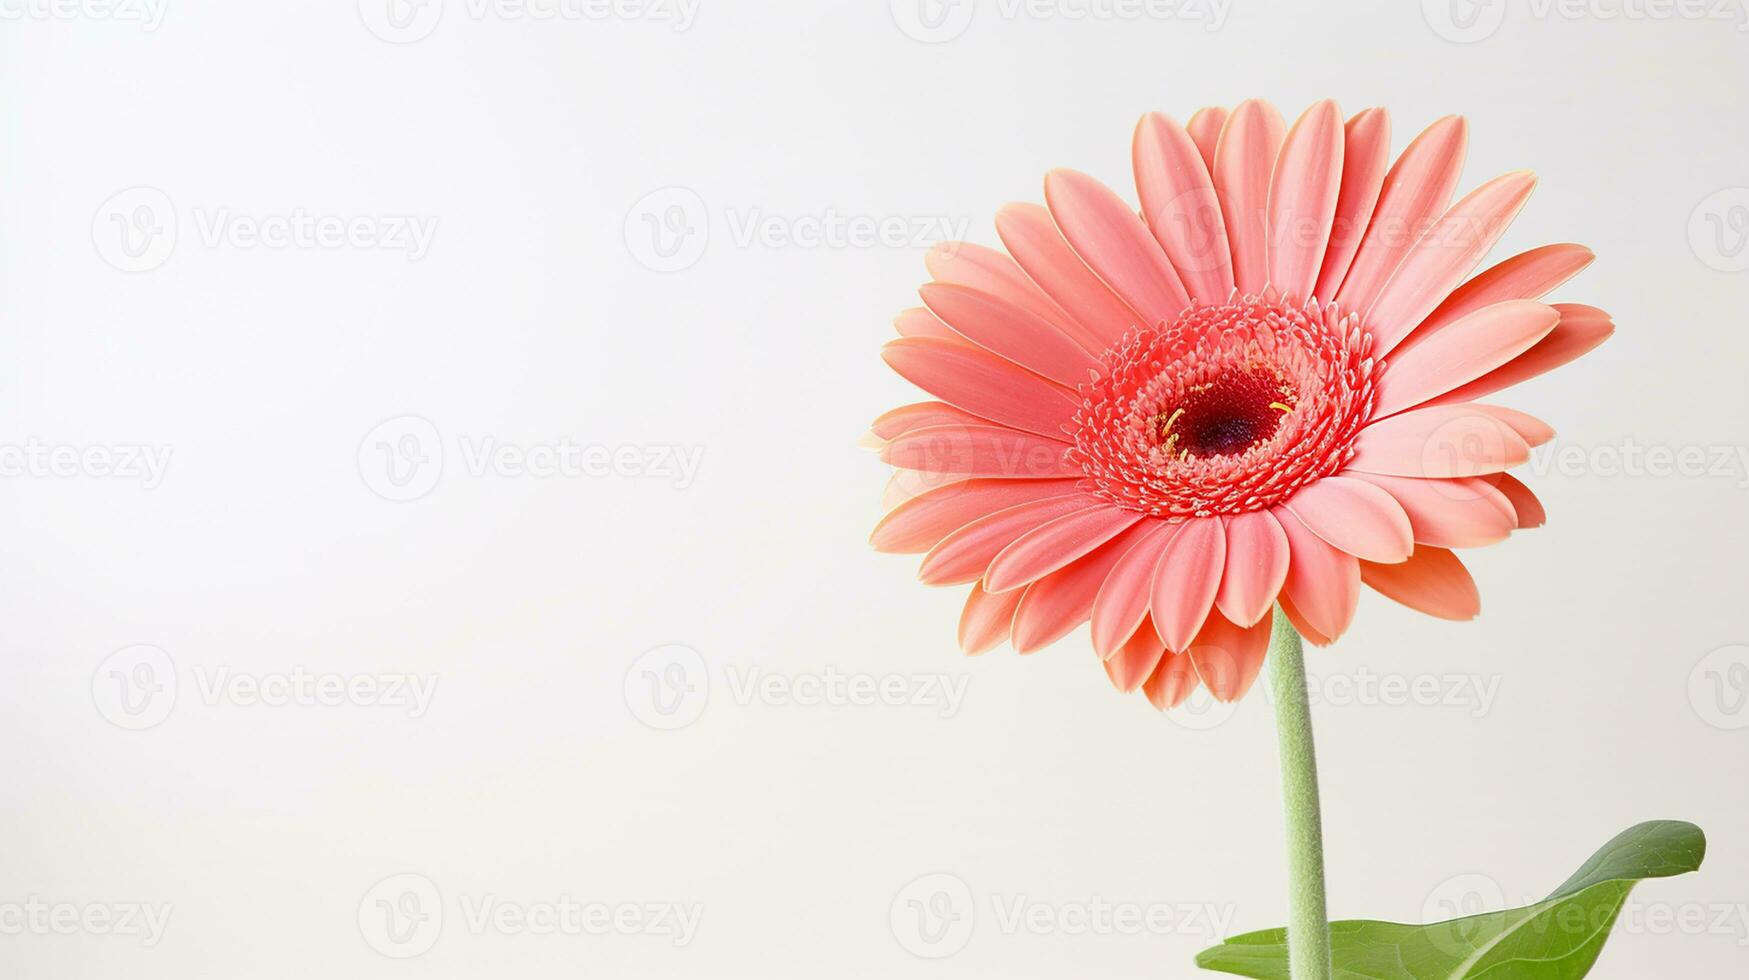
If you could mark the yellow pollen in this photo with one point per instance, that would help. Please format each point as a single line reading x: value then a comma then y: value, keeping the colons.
x: 1278, y: 406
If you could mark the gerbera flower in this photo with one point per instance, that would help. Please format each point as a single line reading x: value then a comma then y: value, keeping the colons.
x: 1262, y: 389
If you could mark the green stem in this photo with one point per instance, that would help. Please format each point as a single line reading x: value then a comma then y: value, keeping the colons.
x: 1308, y: 924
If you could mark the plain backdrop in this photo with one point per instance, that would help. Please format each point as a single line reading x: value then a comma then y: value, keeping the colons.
x: 518, y: 354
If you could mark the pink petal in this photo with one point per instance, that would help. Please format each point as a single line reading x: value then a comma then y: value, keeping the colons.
x: 1122, y: 602
x: 1531, y: 429
x: 990, y: 271
x: 1525, y: 504
x: 1205, y: 128
x: 983, y: 384
x: 1040, y: 552
x: 1366, y: 153
x: 920, y: 523
x: 1034, y: 241
x: 1180, y: 207
x: 1302, y: 200
x: 1581, y: 329
x: 1438, y: 441
x: 1063, y: 600
x: 920, y: 415
x: 919, y: 322
x: 1135, y: 660
x: 1415, y: 191
x: 1257, y: 560
x: 1460, y: 352
x: 964, y: 554
x: 980, y: 450
x: 1299, y: 622
x: 1185, y: 580
x: 1527, y: 275
x: 1441, y: 258
x: 1465, y: 513
x: 1432, y: 581
x: 1323, y: 583
x: 1356, y: 516
x: 1228, y: 658
x: 1244, y: 160
x: 1011, y: 331
x: 1173, y: 680
x: 1114, y: 243
x: 984, y: 623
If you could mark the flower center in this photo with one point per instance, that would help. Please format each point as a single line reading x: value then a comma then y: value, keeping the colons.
x: 1229, y: 409
x: 1227, y: 416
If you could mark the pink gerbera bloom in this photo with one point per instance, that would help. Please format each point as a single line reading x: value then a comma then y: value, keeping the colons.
x: 1262, y: 390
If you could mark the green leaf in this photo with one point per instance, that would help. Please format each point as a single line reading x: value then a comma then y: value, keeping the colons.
x: 1558, y: 938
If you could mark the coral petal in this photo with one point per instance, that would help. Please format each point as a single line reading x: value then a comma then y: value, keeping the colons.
x: 1244, y: 161
x: 1034, y: 241
x: 1444, y: 255
x: 1180, y: 207
x: 1204, y: 128
x: 985, y: 621
x: 1527, y: 275
x: 1525, y: 505
x: 1439, y: 441
x: 1366, y: 155
x: 1323, y: 583
x: 1227, y: 657
x: 964, y: 554
x: 1115, y: 243
x: 991, y: 271
x: 1257, y: 560
x: 920, y: 523
x: 1415, y: 190
x: 979, y: 382
x: 1298, y: 622
x: 1581, y: 329
x: 921, y: 415
x: 1432, y: 581
x: 1063, y: 600
x: 1186, y: 579
x: 1466, y: 513
x: 1173, y: 681
x: 1356, y: 516
x: 1122, y: 602
x: 1045, y: 549
x: 1011, y: 331
x: 1460, y: 352
x: 1302, y: 200
x: 1135, y: 661
x: 919, y: 322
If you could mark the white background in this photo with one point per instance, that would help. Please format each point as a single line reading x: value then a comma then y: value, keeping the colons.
x: 537, y: 314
